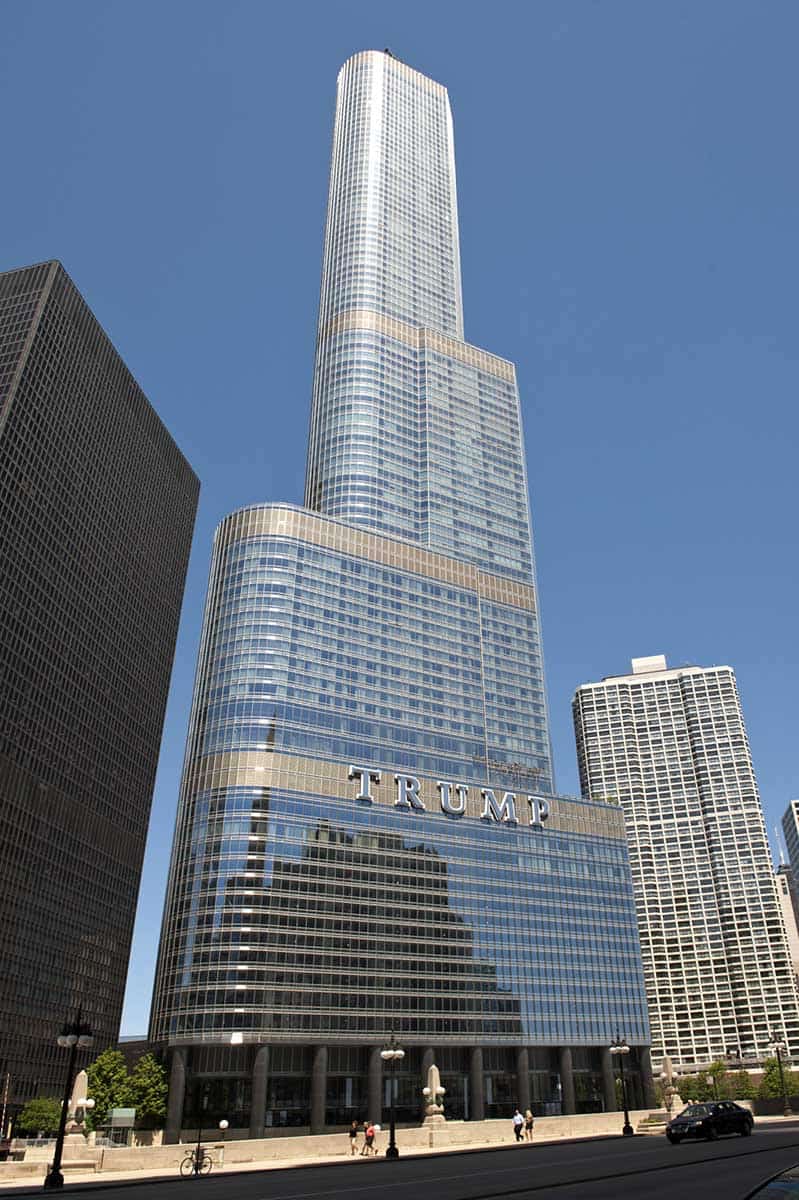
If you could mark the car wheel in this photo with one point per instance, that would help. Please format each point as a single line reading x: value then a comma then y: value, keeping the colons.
x: 712, y: 1134
x: 747, y: 1129
x: 673, y: 1138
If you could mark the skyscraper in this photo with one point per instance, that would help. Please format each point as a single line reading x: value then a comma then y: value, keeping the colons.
x: 97, y: 508
x: 367, y: 838
x: 790, y: 827
x: 670, y: 746
x: 786, y: 891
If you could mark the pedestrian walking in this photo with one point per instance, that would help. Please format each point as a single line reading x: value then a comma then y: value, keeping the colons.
x: 518, y: 1123
x: 353, y: 1136
x: 369, y: 1145
x: 529, y: 1122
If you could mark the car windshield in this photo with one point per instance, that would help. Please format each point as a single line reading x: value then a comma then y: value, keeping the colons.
x: 784, y: 1185
x: 695, y: 1110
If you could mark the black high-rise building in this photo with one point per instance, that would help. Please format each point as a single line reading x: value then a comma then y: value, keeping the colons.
x: 97, y: 508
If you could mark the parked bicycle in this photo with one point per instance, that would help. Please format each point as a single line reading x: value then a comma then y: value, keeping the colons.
x: 197, y: 1162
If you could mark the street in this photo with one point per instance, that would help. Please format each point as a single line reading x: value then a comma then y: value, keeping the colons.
x: 594, y: 1170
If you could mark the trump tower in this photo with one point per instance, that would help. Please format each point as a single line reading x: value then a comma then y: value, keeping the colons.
x: 368, y: 840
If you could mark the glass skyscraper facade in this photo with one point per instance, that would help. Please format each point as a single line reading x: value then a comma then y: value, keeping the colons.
x: 97, y: 509
x: 368, y: 837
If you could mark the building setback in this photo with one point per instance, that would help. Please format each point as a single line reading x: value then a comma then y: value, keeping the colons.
x: 97, y: 508
x: 367, y: 838
x: 670, y: 746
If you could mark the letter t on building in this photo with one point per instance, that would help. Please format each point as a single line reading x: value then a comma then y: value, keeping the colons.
x: 366, y: 776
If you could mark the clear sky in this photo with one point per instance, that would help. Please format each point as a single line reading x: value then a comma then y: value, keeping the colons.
x: 628, y: 183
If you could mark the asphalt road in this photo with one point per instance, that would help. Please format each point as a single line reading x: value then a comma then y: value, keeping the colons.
x: 597, y: 1170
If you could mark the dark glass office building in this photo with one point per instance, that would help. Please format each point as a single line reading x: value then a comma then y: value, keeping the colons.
x: 97, y: 507
x: 368, y: 837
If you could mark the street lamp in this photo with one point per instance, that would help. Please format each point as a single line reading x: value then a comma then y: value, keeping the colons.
x: 76, y: 1035
x: 224, y: 1125
x: 392, y: 1054
x: 619, y: 1047
x: 778, y: 1047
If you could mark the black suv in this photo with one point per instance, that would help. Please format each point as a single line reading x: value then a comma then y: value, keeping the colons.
x: 710, y: 1120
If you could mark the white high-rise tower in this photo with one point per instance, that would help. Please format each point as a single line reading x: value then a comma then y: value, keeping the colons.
x: 670, y: 746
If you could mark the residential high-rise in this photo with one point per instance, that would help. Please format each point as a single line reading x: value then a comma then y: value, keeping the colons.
x: 786, y: 894
x: 670, y: 746
x: 367, y: 838
x: 97, y: 508
x: 790, y: 827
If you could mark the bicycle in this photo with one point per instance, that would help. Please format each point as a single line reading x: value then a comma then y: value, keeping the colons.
x: 196, y: 1162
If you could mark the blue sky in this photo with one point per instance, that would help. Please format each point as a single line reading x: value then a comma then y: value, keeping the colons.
x: 628, y: 185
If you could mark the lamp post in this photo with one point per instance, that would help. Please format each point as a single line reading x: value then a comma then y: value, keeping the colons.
x: 619, y: 1047
x: 778, y: 1046
x: 224, y: 1125
x: 392, y: 1054
x: 77, y: 1035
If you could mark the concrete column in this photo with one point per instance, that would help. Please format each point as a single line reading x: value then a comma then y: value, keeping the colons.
x: 567, y: 1101
x: 428, y: 1060
x: 260, y: 1075
x: 523, y: 1078
x: 647, y: 1082
x: 375, y: 1098
x: 635, y: 1095
x: 477, y: 1109
x: 318, y: 1089
x: 608, y: 1081
x: 177, y: 1095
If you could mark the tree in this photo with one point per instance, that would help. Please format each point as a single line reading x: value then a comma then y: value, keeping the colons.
x: 719, y: 1072
x: 696, y: 1087
x: 148, y: 1092
x: 40, y: 1115
x: 740, y: 1085
x: 771, y: 1084
x: 109, y: 1086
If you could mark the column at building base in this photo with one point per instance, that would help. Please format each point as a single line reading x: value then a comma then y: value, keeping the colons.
x: 177, y: 1095
x: 260, y: 1074
x: 568, y: 1104
x: 523, y: 1078
x: 647, y: 1082
x: 476, y: 1095
x: 318, y: 1089
x: 375, y: 1087
x: 608, y: 1081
